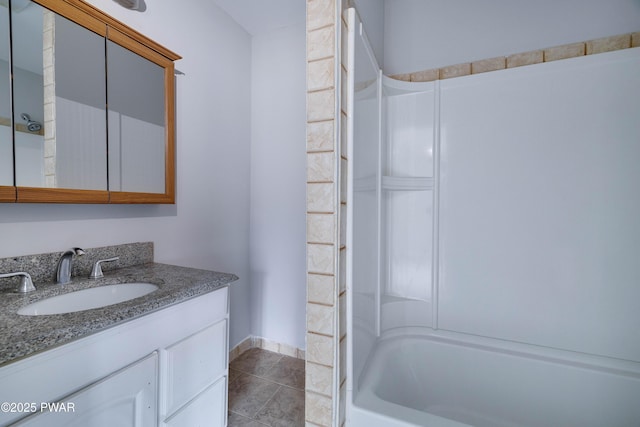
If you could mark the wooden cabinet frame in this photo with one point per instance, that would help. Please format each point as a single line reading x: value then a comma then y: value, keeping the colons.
x: 104, y: 25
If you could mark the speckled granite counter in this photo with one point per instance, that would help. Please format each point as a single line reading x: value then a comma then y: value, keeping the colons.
x: 23, y: 336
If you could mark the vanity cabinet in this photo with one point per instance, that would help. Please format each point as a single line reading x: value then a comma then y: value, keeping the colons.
x: 166, y: 368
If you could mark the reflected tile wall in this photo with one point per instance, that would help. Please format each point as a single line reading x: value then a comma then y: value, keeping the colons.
x: 49, y: 89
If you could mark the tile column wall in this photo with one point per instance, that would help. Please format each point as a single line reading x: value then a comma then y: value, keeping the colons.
x: 325, y: 208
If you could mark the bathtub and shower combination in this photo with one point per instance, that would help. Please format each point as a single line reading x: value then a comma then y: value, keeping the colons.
x: 493, y: 245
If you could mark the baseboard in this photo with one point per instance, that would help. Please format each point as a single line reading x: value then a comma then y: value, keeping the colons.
x: 265, y: 344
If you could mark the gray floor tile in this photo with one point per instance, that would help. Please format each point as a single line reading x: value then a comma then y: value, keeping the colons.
x: 288, y: 371
x: 255, y: 361
x: 285, y: 409
x: 237, y: 420
x: 233, y: 375
x: 248, y: 394
x: 266, y: 389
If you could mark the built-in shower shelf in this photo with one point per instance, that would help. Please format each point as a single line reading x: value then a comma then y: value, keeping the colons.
x: 406, y: 183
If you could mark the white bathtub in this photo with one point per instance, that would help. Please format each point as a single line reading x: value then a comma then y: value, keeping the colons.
x: 443, y: 380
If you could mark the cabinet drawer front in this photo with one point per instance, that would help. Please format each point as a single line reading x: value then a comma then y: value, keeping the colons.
x: 126, y: 398
x: 209, y: 409
x: 195, y: 363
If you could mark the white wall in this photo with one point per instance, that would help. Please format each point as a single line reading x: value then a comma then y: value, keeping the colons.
x: 278, y: 157
x: 371, y: 14
x: 209, y: 225
x: 424, y: 34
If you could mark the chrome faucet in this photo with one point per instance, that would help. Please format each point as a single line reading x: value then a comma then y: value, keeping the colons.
x: 63, y: 274
x: 26, y: 284
x: 96, y: 272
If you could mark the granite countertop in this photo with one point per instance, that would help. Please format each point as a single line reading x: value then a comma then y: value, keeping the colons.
x: 23, y: 336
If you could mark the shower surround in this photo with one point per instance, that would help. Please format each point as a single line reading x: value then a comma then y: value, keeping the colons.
x: 326, y: 205
x: 493, y: 239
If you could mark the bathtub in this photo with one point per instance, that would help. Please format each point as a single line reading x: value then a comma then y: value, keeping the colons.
x: 441, y: 379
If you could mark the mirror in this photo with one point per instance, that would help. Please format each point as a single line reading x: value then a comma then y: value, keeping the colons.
x: 6, y: 136
x: 136, y: 122
x: 60, y: 96
x: 28, y: 93
x: 91, y: 104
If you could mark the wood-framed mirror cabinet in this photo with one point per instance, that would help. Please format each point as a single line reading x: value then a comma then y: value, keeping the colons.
x: 87, y: 107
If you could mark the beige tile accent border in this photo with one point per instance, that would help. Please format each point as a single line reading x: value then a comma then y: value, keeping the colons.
x: 555, y: 53
x: 424, y: 76
x: 457, y: 70
x: 564, y: 52
x: 491, y: 64
x: 608, y: 44
x: 407, y: 77
x: 526, y: 58
x: 265, y: 344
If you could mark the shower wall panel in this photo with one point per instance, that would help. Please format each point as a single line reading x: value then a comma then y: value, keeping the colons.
x: 365, y: 204
x: 539, y: 207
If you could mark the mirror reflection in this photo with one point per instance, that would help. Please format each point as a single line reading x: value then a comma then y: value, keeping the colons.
x: 60, y: 100
x: 6, y: 137
x: 136, y: 122
x: 28, y: 89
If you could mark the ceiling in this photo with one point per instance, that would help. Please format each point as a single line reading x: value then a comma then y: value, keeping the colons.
x: 261, y: 16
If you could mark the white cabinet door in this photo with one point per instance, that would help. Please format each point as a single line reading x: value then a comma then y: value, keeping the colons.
x: 125, y: 398
x: 209, y: 409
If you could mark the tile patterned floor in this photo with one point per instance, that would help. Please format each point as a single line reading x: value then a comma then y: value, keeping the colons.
x: 266, y: 389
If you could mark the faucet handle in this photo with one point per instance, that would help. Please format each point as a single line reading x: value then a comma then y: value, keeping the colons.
x: 96, y: 272
x: 26, y: 284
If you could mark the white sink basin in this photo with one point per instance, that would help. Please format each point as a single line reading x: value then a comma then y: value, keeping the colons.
x: 87, y: 299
